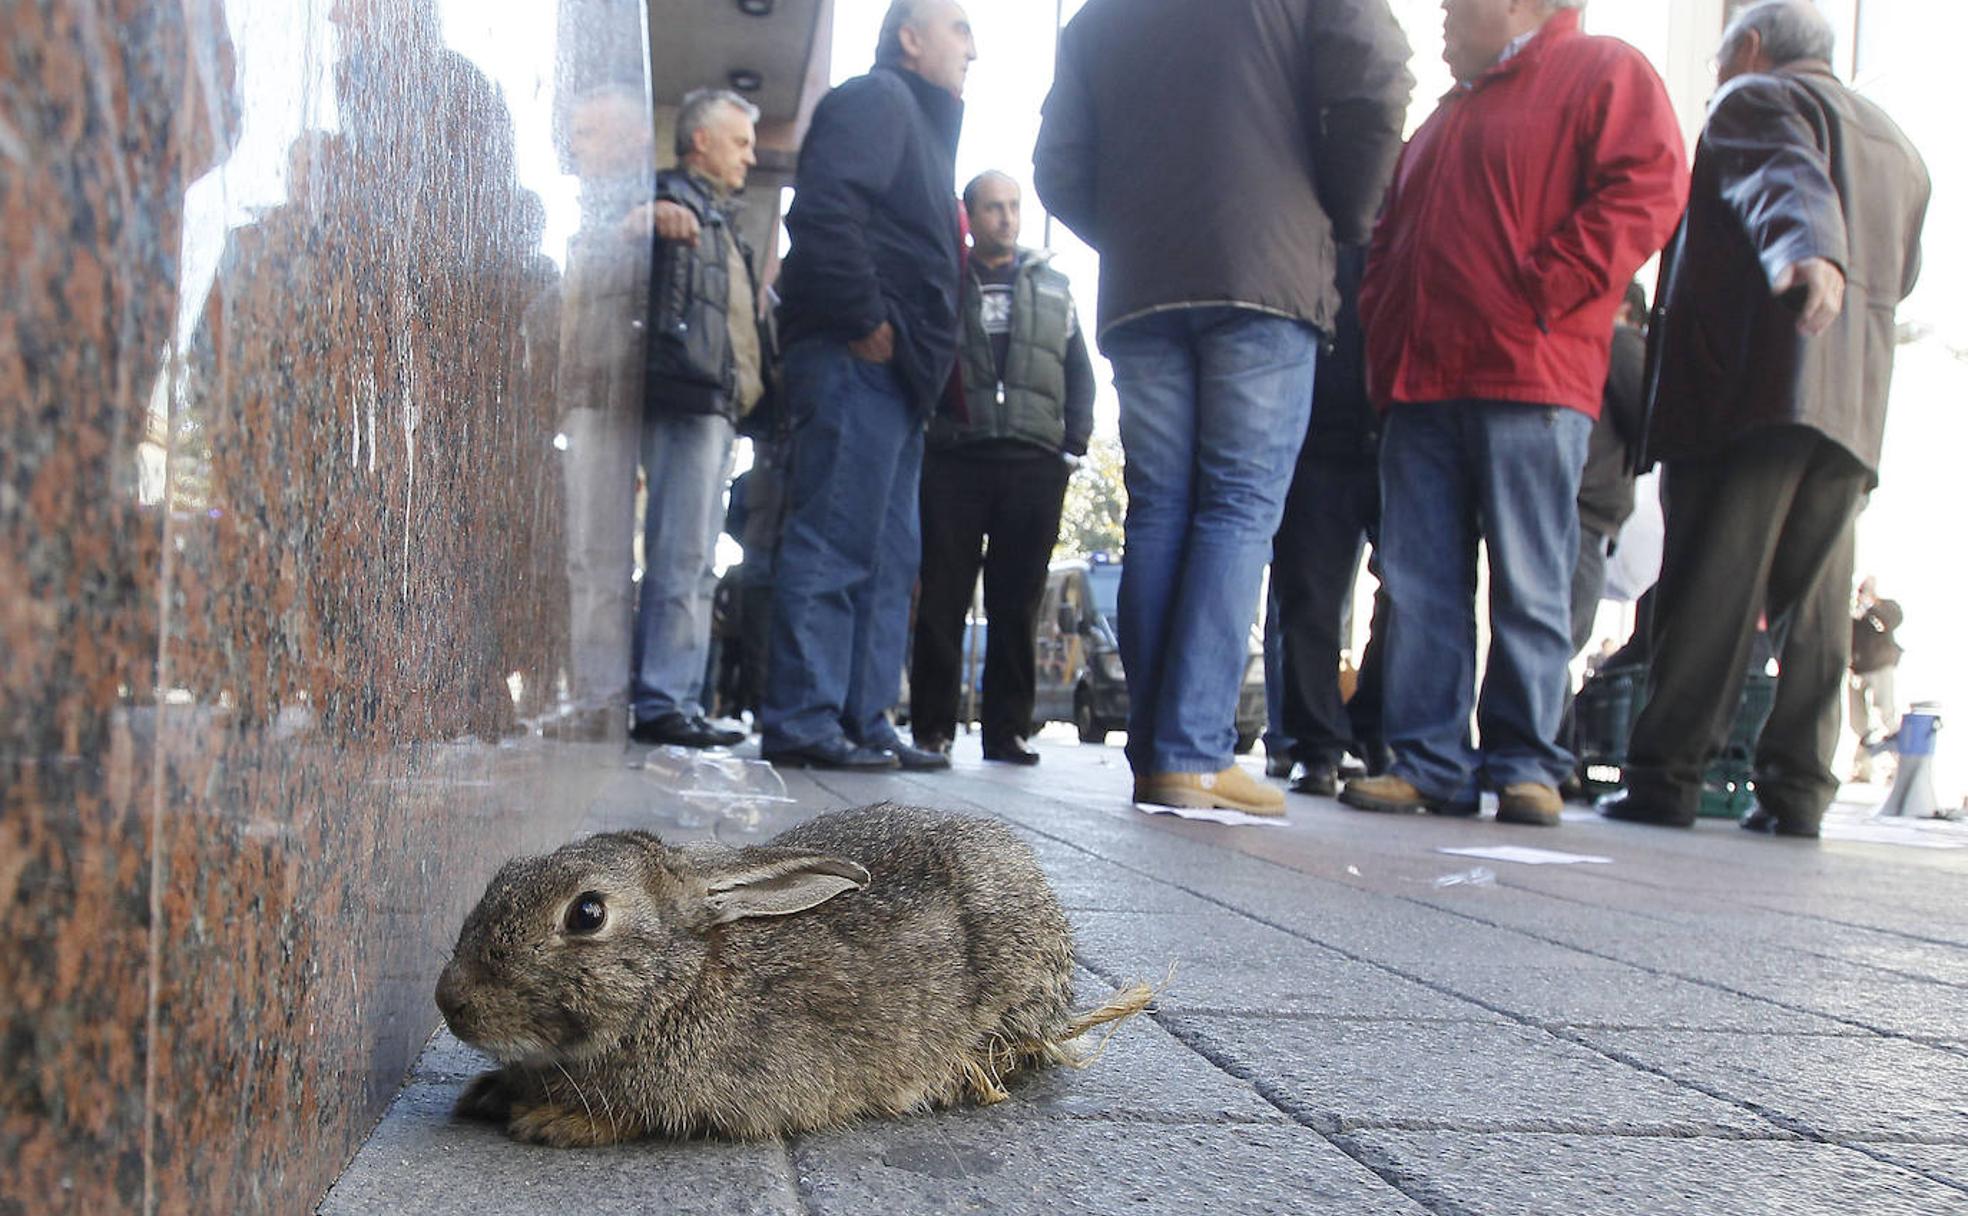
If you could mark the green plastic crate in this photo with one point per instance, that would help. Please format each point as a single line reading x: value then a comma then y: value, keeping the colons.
x: 1604, y: 715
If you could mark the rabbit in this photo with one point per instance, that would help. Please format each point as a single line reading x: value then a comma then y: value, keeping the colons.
x: 868, y: 962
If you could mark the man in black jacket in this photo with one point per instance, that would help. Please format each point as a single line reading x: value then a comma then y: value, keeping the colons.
x: 706, y: 369
x: 1874, y: 707
x: 869, y: 318
x: 1773, y: 349
x: 1332, y: 509
x: 998, y: 473
x: 1212, y: 154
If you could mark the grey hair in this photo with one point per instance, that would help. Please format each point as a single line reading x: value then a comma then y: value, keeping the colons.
x: 1791, y: 30
x: 695, y: 114
x: 888, y: 47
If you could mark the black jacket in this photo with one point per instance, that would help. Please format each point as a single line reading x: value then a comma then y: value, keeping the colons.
x: 1344, y: 423
x: 1791, y: 165
x: 1213, y: 150
x: 690, y: 365
x: 1873, y: 646
x: 874, y: 225
x: 1605, y: 496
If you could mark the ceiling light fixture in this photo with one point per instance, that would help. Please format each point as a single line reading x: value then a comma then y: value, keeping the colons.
x: 755, y: 8
x: 745, y: 80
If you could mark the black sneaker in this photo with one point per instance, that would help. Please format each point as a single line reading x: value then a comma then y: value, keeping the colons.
x: 1318, y: 780
x: 918, y: 759
x: 1769, y: 821
x: 836, y: 753
x: 1627, y: 807
x: 679, y: 730
x: 1010, y: 751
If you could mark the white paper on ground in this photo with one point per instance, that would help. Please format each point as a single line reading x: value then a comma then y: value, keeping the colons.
x: 1523, y: 855
x: 1232, y: 818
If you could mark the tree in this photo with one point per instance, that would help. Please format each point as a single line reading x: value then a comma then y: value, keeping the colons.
x: 1094, y: 518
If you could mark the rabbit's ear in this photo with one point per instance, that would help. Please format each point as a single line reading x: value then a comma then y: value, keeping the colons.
x: 779, y: 882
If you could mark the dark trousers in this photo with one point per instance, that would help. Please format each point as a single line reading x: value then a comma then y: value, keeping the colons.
x: 1014, y: 502
x: 1332, y: 508
x: 1588, y: 588
x: 1763, y: 530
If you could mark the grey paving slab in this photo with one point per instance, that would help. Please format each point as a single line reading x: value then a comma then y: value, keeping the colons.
x: 1890, y: 1002
x: 1464, y: 1076
x: 982, y: 1163
x: 1843, y: 1087
x: 1228, y: 962
x: 1720, y: 991
x: 423, y: 1162
x: 1943, y: 1162
x: 1570, y: 1175
x: 1611, y: 995
x: 1084, y: 880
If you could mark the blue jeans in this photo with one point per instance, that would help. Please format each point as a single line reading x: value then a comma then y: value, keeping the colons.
x: 1452, y: 473
x: 848, y: 558
x: 686, y: 458
x: 1214, y: 403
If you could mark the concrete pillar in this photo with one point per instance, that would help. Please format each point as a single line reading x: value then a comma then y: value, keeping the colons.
x: 1695, y: 31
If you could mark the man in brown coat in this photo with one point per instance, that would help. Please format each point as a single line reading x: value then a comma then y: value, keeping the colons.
x: 1775, y: 348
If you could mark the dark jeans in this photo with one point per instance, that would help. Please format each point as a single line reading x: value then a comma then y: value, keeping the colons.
x: 1453, y: 474
x: 1764, y: 530
x: 1588, y: 588
x: 1333, y: 507
x: 848, y: 558
x: 1013, y: 503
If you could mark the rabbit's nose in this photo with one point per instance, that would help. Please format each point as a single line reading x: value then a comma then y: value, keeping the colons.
x: 451, y: 996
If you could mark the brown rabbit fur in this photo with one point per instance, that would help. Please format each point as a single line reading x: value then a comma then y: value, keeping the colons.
x: 868, y: 962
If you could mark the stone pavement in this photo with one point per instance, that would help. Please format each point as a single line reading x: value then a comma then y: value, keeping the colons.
x: 1712, y: 1023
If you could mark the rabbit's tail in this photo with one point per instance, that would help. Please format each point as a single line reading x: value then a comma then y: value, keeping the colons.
x: 984, y: 1078
x: 1135, y: 998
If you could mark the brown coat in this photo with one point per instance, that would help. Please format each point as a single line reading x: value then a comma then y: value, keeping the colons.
x: 1791, y: 165
x: 1212, y: 152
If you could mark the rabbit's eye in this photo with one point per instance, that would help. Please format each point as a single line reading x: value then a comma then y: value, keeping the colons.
x: 586, y: 914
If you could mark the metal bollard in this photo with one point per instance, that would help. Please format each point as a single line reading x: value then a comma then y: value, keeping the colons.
x: 1913, y: 779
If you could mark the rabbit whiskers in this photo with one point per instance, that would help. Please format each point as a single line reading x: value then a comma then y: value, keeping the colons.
x: 606, y: 1106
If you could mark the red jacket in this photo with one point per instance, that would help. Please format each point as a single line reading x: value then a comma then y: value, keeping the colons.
x: 1519, y: 212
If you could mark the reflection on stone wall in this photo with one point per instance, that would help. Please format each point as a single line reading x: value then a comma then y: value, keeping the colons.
x: 284, y: 558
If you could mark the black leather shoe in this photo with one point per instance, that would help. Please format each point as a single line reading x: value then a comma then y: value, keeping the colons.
x: 1318, y: 780
x: 919, y: 759
x: 836, y: 753
x: 676, y: 730
x: 1623, y: 806
x: 1011, y: 751
x: 1774, y: 823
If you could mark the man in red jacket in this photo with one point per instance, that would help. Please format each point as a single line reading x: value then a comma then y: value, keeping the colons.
x: 1518, y: 213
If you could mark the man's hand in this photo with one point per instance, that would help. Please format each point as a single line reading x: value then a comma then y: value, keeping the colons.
x: 1822, y: 285
x: 674, y: 222
x: 878, y: 346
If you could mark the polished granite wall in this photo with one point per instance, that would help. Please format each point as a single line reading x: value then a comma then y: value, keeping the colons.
x: 297, y: 299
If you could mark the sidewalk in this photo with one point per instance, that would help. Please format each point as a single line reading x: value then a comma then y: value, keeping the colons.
x: 1711, y: 1023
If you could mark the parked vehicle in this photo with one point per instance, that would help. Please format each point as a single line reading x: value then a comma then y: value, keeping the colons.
x: 1080, y: 679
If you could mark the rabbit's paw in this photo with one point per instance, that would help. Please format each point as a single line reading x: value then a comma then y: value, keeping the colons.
x: 488, y: 1097
x: 562, y: 1127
